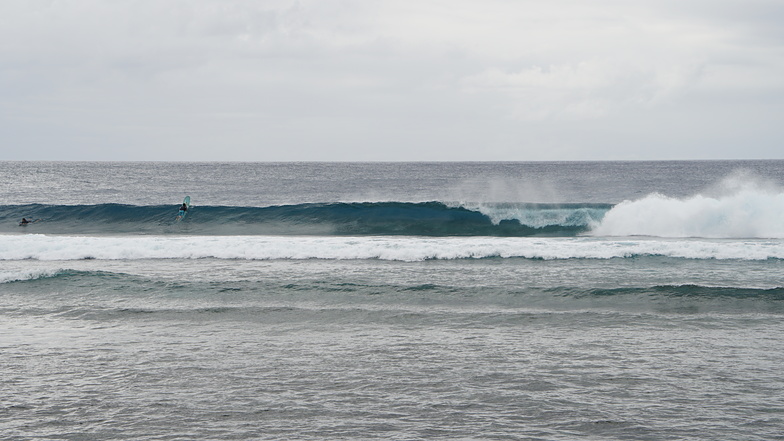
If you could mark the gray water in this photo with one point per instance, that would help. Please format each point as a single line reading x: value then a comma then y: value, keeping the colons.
x: 260, y: 184
x: 679, y: 339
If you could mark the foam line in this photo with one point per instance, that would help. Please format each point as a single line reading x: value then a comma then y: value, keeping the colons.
x: 45, y: 247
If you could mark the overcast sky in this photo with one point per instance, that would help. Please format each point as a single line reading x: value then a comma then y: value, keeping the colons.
x: 359, y: 80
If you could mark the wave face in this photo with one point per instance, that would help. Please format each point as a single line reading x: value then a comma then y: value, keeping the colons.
x: 360, y: 218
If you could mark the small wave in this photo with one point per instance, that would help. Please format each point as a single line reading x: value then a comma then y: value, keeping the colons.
x: 23, y: 275
x: 683, y: 291
x: 685, y: 299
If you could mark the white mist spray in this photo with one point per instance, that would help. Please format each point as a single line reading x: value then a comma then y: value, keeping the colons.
x: 741, y: 206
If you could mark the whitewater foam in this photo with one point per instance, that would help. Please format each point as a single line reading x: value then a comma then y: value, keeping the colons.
x: 43, y: 247
x: 747, y: 213
x: 18, y: 275
x: 540, y: 216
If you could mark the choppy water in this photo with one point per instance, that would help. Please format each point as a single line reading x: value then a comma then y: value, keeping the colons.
x: 397, y: 301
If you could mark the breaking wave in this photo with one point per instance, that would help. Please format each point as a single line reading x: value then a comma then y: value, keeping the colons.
x: 359, y: 218
x: 747, y: 211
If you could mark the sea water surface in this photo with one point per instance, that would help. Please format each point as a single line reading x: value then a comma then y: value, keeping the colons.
x: 531, y: 301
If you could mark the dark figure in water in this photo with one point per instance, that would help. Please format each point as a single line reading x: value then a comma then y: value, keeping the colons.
x: 24, y: 222
x: 184, y: 207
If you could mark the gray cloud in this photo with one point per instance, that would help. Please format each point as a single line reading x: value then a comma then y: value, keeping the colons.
x: 390, y: 80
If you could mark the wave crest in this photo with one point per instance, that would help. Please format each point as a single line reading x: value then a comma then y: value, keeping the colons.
x: 23, y: 275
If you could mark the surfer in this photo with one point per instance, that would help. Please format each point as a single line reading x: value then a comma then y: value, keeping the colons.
x: 186, y: 203
x: 183, y: 211
x: 25, y: 222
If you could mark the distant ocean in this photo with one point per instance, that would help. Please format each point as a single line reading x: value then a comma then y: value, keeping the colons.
x: 416, y: 301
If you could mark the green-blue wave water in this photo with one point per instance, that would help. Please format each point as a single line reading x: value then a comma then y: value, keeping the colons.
x: 358, y: 218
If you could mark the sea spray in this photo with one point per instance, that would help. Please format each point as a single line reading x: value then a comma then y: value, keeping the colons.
x: 540, y: 216
x: 745, y: 213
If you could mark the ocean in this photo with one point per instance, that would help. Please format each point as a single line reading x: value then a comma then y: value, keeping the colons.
x: 406, y: 301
